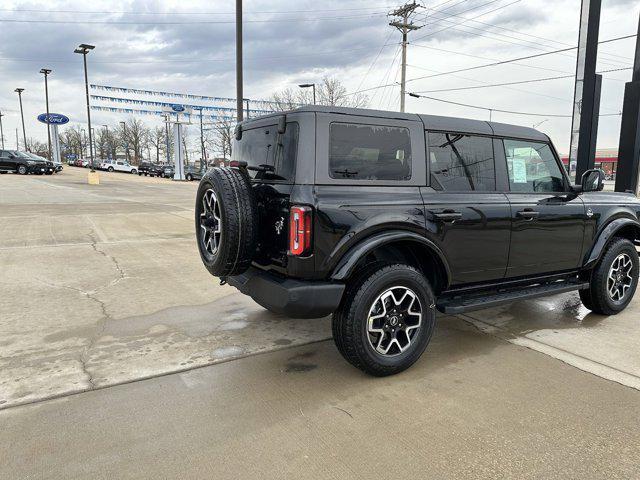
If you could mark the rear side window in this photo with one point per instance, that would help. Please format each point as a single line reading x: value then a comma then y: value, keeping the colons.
x: 461, y: 163
x: 369, y: 152
x: 532, y: 167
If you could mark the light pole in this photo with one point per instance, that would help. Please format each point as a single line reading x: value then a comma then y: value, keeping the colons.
x: 1, y: 130
x: 126, y: 141
x: 239, y: 95
x: 24, y: 134
x: 46, y: 73
x: 312, y: 85
x: 83, y: 49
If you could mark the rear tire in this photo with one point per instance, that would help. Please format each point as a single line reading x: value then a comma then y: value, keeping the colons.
x: 614, y: 279
x: 386, y: 319
x: 189, y: 178
x: 226, y: 222
x: 22, y: 170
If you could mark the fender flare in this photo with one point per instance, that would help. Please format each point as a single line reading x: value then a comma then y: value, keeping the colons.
x: 351, y: 258
x: 605, y: 235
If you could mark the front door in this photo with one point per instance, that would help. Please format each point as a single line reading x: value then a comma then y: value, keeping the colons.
x: 547, y: 218
x: 466, y: 208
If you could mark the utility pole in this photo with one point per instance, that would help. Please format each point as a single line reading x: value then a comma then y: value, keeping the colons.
x: 46, y: 72
x: 239, y: 95
x: 404, y: 25
x: 1, y: 130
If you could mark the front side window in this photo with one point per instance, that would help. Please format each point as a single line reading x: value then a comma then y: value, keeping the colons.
x: 532, y: 167
x: 461, y: 163
x: 369, y: 152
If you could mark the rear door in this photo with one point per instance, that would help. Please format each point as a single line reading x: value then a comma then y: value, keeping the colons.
x: 5, y: 160
x: 548, y: 219
x: 466, y: 207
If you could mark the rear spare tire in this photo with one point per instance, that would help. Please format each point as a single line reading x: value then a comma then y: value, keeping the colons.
x: 226, y: 221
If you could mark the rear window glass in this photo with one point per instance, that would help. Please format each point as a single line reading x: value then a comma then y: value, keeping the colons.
x: 269, y: 154
x: 369, y: 152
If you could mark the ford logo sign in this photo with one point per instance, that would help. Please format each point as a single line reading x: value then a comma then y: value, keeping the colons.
x: 177, y: 108
x: 53, y: 118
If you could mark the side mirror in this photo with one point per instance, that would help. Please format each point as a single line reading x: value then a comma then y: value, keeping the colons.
x: 592, y: 180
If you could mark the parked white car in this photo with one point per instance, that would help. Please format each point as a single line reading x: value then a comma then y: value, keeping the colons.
x: 119, y: 166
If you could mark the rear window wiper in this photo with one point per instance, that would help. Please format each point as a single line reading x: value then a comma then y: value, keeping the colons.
x: 346, y: 172
x: 261, y: 168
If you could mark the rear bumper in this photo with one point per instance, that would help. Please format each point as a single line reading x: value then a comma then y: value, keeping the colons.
x: 290, y: 297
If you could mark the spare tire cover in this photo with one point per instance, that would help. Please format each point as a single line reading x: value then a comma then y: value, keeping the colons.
x: 226, y: 221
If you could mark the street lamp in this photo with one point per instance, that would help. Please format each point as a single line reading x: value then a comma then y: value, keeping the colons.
x: 312, y: 85
x: 1, y: 130
x: 83, y: 49
x: 46, y: 72
x: 24, y: 134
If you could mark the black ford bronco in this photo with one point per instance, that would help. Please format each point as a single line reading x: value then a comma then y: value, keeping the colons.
x: 382, y: 218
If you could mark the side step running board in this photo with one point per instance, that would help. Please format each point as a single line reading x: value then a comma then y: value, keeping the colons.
x: 459, y: 304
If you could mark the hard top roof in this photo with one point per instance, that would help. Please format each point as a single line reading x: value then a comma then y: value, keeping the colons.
x: 431, y: 122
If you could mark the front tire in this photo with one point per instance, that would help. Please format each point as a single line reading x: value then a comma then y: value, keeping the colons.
x: 614, y: 280
x: 386, y: 319
x: 189, y: 177
x: 110, y: 169
x: 22, y: 170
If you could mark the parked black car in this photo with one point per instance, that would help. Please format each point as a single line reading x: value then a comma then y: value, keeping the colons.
x: 382, y: 218
x: 150, y: 169
x: 23, y: 163
x: 168, y: 171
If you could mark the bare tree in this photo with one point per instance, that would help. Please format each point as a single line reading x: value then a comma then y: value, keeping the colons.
x: 328, y: 92
x: 221, y: 138
x: 133, y: 137
x: 157, y: 138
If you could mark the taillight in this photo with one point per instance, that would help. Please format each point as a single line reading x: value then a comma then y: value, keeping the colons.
x: 300, y: 230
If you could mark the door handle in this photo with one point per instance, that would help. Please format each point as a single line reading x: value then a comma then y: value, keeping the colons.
x: 528, y: 214
x: 446, y: 216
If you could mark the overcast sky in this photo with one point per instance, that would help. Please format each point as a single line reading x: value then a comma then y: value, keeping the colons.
x: 189, y: 47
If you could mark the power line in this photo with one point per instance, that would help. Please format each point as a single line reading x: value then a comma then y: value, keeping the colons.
x: 498, y: 110
x: 533, y: 80
x: 491, y: 25
x: 527, y: 57
x: 191, y: 22
x: 129, y: 12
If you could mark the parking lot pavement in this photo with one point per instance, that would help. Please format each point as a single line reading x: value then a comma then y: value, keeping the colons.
x: 103, y: 284
x: 473, y: 407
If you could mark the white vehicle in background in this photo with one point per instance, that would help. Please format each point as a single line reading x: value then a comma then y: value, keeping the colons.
x: 120, y: 166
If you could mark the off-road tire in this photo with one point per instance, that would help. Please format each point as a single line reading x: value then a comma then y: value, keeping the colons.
x: 349, y: 322
x: 596, y: 298
x: 239, y: 221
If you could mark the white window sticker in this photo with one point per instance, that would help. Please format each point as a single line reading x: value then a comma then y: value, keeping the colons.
x: 519, y: 170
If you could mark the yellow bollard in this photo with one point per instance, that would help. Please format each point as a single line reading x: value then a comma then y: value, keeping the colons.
x: 94, y: 178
